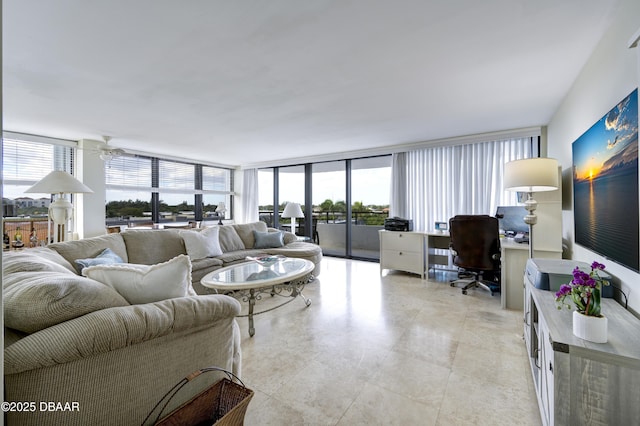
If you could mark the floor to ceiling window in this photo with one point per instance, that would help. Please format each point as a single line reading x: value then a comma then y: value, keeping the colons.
x: 291, y: 190
x: 370, y: 191
x: 344, y: 202
x: 329, y: 206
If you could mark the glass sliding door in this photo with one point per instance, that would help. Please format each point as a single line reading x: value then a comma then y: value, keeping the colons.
x: 329, y: 206
x: 349, y: 201
x: 370, y: 190
x: 291, y: 183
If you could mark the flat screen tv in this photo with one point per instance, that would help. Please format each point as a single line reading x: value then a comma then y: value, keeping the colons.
x: 605, y: 185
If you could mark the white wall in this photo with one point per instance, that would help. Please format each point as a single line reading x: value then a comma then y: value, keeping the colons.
x: 610, y: 74
x: 90, y: 208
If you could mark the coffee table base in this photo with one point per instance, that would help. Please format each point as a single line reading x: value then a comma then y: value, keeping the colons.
x: 291, y: 290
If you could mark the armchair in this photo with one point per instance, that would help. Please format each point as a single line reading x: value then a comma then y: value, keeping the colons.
x: 475, y: 246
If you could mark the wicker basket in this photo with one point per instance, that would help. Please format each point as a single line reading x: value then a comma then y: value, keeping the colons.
x: 222, y: 404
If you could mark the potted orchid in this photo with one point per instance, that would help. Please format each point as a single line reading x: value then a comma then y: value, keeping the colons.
x: 585, y: 290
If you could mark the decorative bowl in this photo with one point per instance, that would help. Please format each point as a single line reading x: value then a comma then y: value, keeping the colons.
x: 266, y: 261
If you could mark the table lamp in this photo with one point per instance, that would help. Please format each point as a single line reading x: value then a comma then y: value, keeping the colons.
x: 292, y: 211
x: 531, y: 175
x: 61, y: 209
x: 220, y: 210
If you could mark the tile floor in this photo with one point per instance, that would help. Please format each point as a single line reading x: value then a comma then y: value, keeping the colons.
x: 387, y: 350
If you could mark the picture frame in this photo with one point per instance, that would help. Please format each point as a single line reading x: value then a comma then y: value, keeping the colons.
x: 442, y: 226
x: 606, y: 208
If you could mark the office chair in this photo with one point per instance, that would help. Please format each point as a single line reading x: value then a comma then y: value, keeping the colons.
x: 475, y: 246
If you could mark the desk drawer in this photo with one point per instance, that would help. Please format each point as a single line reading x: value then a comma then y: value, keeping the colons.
x: 403, y: 261
x: 403, y: 241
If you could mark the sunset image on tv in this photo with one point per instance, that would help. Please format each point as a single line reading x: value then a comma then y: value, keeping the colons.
x: 605, y: 185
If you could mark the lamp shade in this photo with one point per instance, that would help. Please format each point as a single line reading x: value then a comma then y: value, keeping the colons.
x: 59, y: 182
x: 531, y: 175
x: 221, y: 207
x: 292, y: 210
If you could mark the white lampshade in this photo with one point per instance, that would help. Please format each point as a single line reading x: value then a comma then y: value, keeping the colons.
x: 221, y: 207
x: 292, y: 210
x: 531, y: 175
x: 60, y: 210
x: 59, y: 182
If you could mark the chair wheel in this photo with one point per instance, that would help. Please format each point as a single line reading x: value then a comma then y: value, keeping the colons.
x: 464, y: 291
x: 452, y: 284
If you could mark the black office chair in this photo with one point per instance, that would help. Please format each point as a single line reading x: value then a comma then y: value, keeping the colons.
x: 475, y: 246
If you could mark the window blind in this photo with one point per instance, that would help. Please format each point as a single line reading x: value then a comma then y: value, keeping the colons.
x: 174, y: 175
x: 215, y: 179
x: 128, y: 173
x: 25, y: 162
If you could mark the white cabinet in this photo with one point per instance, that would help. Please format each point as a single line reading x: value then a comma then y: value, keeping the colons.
x: 576, y: 381
x: 403, y: 251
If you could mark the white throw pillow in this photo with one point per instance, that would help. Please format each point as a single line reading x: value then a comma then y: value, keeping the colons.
x: 146, y: 283
x: 205, y: 243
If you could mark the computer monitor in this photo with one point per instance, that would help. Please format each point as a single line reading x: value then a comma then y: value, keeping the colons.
x: 511, y: 219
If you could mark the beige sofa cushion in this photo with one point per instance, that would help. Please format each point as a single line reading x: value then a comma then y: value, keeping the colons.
x: 151, y: 246
x: 205, y: 243
x: 140, y: 284
x: 245, y: 231
x: 35, y: 259
x: 239, y: 255
x: 91, y: 247
x: 35, y: 300
x: 229, y: 239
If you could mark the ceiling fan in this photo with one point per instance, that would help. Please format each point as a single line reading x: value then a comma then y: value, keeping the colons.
x: 107, y: 153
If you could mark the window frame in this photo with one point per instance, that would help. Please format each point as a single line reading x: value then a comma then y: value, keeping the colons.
x: 159, y: 185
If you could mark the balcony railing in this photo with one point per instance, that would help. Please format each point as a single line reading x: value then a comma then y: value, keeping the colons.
x: 330, y: 231
x: 33, y: 230
x: 372, y: 218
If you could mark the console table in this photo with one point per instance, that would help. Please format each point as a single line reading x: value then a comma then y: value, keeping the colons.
x: 576, y: 381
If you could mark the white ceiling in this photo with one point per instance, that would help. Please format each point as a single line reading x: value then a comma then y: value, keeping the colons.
x: 242, y: 82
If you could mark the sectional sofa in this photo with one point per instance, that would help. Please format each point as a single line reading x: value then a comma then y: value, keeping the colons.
x: 72, y: 339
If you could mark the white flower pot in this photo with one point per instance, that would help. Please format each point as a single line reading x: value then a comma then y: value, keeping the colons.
x: 593, y: 329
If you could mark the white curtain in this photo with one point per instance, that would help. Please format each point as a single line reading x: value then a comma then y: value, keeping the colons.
x: 445, y: 181
x: 250, y: 196
x: 398, y: 205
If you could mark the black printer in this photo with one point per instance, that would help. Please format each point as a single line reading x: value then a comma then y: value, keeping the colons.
x: 398, y: 224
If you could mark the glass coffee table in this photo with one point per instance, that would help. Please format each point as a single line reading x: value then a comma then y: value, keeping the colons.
x: 249, y: 281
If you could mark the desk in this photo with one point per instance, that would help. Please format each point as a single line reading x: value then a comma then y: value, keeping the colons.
x: 513, y: 262
x: 420, y: 252
x: 437, y: 251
